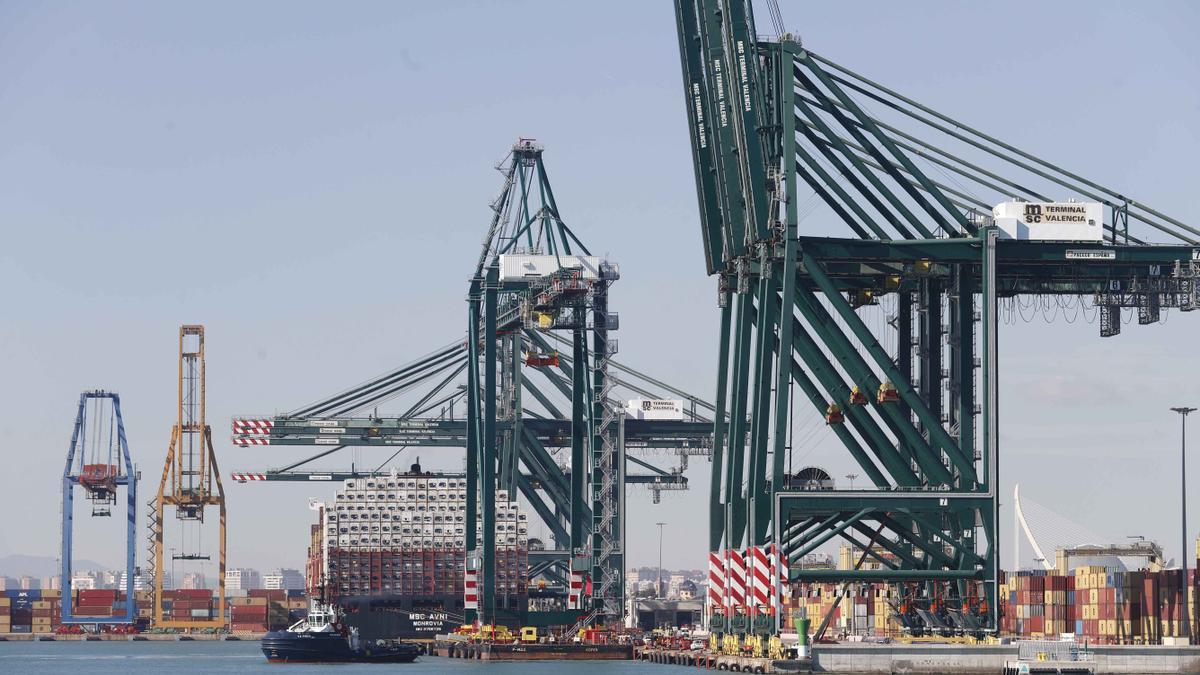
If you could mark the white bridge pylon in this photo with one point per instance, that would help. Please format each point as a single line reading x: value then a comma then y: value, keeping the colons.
x: 1023, y: 526
x: 1042, y: 523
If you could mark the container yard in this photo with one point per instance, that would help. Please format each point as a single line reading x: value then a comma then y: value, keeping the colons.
x: 876, y: 332
x: 38, y: 613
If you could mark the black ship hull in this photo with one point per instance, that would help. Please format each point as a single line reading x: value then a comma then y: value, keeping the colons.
x: 391, y: 616
x: 283, y: 646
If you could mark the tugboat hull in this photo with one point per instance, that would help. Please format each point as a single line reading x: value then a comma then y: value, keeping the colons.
x: 292, y: 647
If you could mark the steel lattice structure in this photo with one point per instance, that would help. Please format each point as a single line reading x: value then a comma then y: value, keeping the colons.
x: 100, y: 479
x: 191, y: 481
x: 769, y: 118
x: 537, y: 379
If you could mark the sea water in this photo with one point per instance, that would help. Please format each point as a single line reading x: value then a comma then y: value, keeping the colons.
x: 216, y: 658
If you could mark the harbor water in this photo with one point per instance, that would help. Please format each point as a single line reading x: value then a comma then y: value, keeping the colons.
x: 243, y: 658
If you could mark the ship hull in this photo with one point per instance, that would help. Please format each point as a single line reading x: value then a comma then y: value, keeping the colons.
x: 395, y: 617
x: 289, y: 647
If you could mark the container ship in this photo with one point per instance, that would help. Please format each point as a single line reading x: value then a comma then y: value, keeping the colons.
x: 389, y: 550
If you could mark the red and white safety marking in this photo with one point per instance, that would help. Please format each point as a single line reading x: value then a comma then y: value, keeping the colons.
x: 243, y: 477
x: 470, y: 589
x: 716, y: 580
x: 779, y: 576
x: 252, y: 426
x: 242, y: 441
x: 735, y: 578
x: 575, y: 593
x: 760, y: 575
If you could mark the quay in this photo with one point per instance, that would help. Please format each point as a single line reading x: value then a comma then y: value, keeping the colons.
x: 134, y: 637
x: 933, y: 659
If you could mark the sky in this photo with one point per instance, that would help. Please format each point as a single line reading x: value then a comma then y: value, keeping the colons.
x: 312, y: 184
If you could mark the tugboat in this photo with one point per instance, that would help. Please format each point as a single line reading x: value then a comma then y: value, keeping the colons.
x: 322, y: 638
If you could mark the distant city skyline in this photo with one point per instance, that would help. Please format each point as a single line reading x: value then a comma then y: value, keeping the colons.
x: 312, y: 184
x: 237, y: 579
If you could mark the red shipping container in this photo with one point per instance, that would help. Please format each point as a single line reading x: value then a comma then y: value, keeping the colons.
x: 249, y: 610
x: 189, y: 594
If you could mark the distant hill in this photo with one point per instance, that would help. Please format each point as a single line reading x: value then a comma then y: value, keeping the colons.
x: 43, y: 566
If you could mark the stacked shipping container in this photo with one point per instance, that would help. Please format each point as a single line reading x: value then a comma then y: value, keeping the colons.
x: 403, y: 534
x: 1097, y: 604
x: 40, y: 611
x: 262, y: 610
x: 1094, y: 603
x: 863, y: 610
x: 188, y: 605
x: 30, y: 611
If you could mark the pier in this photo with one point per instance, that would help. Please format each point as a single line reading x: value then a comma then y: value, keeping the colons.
x: 868, y: 659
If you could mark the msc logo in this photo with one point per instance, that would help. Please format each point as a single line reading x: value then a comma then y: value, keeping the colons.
x: 1033, y: 213
x: 646, y: 405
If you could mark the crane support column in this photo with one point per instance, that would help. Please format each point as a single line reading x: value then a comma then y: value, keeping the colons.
x: 101, y: 473
x: 191, y: 480
x: 488, y: 461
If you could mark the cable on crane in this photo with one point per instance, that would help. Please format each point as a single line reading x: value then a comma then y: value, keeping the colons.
x: 111, y: 420
x: 1005, y: 152
x: 776, y: 16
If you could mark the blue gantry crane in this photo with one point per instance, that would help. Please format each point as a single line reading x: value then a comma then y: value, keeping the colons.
x: 98, y: 461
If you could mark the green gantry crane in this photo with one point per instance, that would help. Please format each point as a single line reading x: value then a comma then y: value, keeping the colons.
x: 913, y: 401
x: 535, y: 291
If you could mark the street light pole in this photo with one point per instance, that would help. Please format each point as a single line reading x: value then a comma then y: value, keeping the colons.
x: 658, y: 584
x: 1183, y: 413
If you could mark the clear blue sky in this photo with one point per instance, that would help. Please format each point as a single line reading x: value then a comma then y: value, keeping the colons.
x: 312, y: 183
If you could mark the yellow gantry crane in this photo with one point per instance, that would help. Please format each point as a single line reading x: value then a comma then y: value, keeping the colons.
x: 190, y: 481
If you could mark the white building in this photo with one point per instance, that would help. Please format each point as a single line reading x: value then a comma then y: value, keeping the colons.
x: 194, y: 581
x: 138, y: 583
x: 673, y: 584
x: 283, y: 579
x: 632, y: 577
x: 242, y: 579
x: 83, y: 581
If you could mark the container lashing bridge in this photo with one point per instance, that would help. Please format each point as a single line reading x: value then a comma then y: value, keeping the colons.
x: 539, y: 387
x: 98, y: 461
x: 771, y: 122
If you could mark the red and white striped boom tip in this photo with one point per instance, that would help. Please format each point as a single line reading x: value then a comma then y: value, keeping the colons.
x: 251, y: 431
x: 244, y: 442
x: 244, y: 477
x: 242, y: 425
